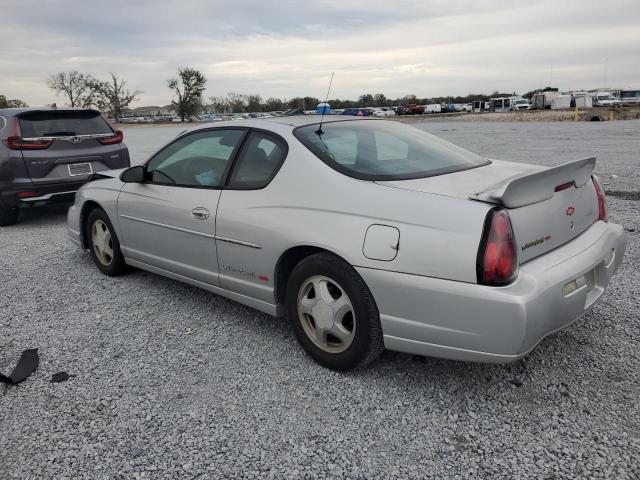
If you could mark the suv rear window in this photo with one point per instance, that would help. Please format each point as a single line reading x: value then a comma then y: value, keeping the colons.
x: 61, y: 123
x: 382, y: 150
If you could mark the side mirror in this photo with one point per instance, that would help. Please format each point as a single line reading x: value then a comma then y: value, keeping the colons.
x: 133, y: 175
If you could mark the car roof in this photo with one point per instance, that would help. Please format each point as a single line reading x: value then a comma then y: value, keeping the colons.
x: 284, y: 123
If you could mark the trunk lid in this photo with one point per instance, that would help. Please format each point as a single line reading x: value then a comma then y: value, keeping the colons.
x: 75, y: 151
x: 548, y: 207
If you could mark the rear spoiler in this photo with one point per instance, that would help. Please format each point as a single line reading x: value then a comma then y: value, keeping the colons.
x: 528, y: 188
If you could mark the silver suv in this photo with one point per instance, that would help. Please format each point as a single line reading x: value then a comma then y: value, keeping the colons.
x: 47, y: 154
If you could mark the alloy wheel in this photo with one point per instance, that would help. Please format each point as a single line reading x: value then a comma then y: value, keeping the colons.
x: 326, y: 314
x: 102, y: 243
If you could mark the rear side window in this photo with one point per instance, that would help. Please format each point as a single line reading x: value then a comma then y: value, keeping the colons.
x: 61, y: 123
x: 382, y: 150
x: 258, y: 162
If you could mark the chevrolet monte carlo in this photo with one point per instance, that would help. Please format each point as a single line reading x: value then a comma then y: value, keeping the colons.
x: 366, y: 234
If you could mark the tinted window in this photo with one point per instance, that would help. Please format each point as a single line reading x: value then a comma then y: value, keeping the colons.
x: 197, y: 160
x: 51, y: 124
x: 258, y: 162
x: 381, y: 150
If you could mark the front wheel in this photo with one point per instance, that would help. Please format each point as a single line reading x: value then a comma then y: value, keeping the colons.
x: 333, y: 313
x: 103, y: 244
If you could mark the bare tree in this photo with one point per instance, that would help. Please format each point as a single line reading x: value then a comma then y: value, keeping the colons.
x: 113, y: 96
x: 79, y: 88
x: 218, y: 104
x: 237, y: 102
x: 188, y: 88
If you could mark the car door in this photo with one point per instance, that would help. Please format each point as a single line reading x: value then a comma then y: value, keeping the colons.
x: 168, y: 221
x: 247, y: 248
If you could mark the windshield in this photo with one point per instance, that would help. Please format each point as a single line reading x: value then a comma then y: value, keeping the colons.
x: 380, y: 150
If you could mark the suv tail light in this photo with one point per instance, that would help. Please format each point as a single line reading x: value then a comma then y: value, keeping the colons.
x: 602, y: 203
x: 16, y: 142
x: 117, y: 138
x: 497, y: 262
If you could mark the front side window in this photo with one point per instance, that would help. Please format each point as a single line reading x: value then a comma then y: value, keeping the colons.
x: 383, y: 150
x: 197, y: 160
x: 258, y: 161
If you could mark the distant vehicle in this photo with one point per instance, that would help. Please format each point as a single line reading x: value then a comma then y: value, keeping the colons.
x: 630, y: 97
x: 433, y: 108
x: 500, y: 104
x: 358, y: 112
x: 561, y: 102
x: 383, y: 112
x: 410, y: 109
x: 543, y: 99
x: 478, y: 106
x: 445, y: 253
x: 47, y: 154
x: 604, y: 99
x: 581, y: 100
x: 455, y: 107
x: 467, y: 107
x: 519, y: 103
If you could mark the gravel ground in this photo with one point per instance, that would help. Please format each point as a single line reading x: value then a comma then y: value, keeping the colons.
x: 174, y: 382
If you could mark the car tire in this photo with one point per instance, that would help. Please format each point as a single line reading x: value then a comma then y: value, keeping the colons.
x: 103, y: 243
x: 333, y: 314
x: 8, y: 216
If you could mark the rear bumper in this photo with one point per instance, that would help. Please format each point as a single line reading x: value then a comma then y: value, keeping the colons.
x: 41, y: 194
x: 470, y: 322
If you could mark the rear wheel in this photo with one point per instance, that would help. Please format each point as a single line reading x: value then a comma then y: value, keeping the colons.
x: 103, y: 244
x: 333, y: 313
x: 8, y: 216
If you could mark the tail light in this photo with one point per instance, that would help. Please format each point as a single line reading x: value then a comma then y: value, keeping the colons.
x: 602, y: 203
x: 16, y: 142
x: 497, y: 262
x: 117, y: 138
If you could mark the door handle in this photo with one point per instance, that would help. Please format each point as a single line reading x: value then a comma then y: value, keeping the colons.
x: 200, y: 213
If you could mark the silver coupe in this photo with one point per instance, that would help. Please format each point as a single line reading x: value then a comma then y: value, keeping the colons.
x: 366, y: 234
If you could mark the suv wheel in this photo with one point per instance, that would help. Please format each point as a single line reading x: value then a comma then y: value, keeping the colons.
x: 103, y: 244
x: 333, y: 313
x: 8, y: 216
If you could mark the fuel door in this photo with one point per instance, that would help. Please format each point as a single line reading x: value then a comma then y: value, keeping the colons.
x: 381, y: 242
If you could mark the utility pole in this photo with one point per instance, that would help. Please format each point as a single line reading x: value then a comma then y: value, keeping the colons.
x: 606, y: 64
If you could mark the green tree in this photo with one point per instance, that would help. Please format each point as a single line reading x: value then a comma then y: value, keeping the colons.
x: 81, y: 89
x: 365, y: 100
x: 274, y: 104
x: 379, y: 100
x: 188, y: 89
x: 113, y: 96
x: 15, y: 103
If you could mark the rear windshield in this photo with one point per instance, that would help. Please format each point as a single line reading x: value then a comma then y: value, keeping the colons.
x: 381, y: 150
x: 52, y: 124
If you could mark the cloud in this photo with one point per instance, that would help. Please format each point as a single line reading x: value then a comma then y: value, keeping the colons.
x: 289, y: 48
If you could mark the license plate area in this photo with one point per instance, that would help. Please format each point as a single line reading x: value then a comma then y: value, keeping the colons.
x: 77, y: 169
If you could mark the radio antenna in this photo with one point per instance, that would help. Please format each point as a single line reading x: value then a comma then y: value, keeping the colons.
x: 324, y: 107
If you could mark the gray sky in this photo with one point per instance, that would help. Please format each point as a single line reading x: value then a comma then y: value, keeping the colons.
x: 288, y: 48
